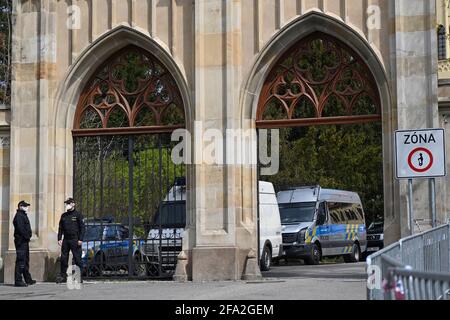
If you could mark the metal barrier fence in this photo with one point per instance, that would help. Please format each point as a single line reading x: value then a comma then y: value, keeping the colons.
x: 404, y: 283
x: 416, y: 268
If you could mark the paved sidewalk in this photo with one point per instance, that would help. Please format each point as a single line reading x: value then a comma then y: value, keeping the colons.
x: 295, y: 289
x: 325, y: 282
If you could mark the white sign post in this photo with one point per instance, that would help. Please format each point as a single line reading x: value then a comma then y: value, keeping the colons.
x: 420, y: 154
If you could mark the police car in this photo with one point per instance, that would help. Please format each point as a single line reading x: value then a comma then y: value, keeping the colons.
x: 375, y: 236
x: 106, y: 248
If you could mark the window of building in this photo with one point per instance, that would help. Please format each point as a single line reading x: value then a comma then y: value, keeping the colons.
x: 442, y: 43
x: 5, y: 52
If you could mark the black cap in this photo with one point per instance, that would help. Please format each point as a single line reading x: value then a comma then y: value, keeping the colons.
x: 69, y: 200
x: 23, y: 203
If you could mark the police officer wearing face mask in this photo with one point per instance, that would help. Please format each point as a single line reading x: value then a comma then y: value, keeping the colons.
x: 22, y: 236
x: 70, y: 237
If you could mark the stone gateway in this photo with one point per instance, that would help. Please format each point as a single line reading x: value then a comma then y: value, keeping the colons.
x: 217, y: 56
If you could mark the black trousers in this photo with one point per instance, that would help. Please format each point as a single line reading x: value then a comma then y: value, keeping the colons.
x: 67, y: 246
x: 22, y: 262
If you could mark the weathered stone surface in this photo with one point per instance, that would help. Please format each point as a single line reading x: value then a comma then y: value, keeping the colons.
x: 43, y: 266
x: 216, y: 263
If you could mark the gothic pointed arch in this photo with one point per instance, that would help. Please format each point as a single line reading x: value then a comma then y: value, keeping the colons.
x: 69, y: 94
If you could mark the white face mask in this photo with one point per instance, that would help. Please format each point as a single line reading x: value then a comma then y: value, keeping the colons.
x: 24, y: 209
x: 69, y: 207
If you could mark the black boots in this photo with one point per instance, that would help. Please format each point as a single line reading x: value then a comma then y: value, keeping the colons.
x: 20, y: 284
x: 28, y: 282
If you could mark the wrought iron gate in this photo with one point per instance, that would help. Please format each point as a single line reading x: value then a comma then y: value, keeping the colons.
x: 132, y: 196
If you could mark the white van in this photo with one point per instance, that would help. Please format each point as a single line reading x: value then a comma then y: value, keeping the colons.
x: 270, y: 239
x: 322, y: 222
x: 171, y: 216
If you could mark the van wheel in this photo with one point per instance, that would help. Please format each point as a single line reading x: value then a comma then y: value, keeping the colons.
x: 364, y: 256
x: 266, y: 259
x: 354, y: 256
x: 315, y: 256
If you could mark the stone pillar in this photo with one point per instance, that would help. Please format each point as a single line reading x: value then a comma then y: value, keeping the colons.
x: 222, y: 242
x: 414, y: 90
x: 34, y: 68
x: 4, y: 188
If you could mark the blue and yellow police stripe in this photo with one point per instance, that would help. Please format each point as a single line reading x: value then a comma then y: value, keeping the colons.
x: 350, y: 234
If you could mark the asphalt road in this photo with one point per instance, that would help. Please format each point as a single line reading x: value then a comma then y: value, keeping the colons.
x: 284, y: 282
x: 342, y: 271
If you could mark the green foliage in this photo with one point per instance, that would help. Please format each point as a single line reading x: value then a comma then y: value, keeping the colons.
x: 318, y: 61
x: 153, y: 175
x: 342, y: 157
x: 131, y: 71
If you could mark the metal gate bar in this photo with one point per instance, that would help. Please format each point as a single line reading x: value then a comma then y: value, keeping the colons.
x: 134, y: 226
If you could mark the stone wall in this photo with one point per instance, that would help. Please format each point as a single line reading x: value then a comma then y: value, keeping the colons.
x: 443, y: 185
x: 414, y: 83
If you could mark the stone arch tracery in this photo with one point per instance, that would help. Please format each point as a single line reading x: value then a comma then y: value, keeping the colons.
x: 319, y: 80
x: 132, y: 90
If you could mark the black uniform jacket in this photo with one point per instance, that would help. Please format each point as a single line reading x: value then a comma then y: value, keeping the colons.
x: 22, y: 228
x: 71, y: 226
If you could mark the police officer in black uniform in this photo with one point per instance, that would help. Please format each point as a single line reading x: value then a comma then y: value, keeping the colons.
x: 70, y: 237
x: 22, y: 236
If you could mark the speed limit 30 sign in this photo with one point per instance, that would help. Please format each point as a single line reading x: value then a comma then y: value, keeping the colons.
x: 420, y: 153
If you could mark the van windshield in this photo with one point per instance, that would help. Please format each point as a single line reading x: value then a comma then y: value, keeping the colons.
x: 376, y: 227
x: 297, y: 212
x: 171, y: 214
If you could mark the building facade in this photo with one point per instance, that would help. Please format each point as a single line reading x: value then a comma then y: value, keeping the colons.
x: 443, y: 13
x: 219, y: 53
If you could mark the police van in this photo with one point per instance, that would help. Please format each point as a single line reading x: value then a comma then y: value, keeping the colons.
x: 321, y: 222
x: 170, y: 220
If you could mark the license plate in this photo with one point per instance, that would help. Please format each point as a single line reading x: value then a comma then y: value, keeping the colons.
x: 373, y: 249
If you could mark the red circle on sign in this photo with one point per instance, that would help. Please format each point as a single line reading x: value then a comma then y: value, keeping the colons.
x: 428, y: 152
